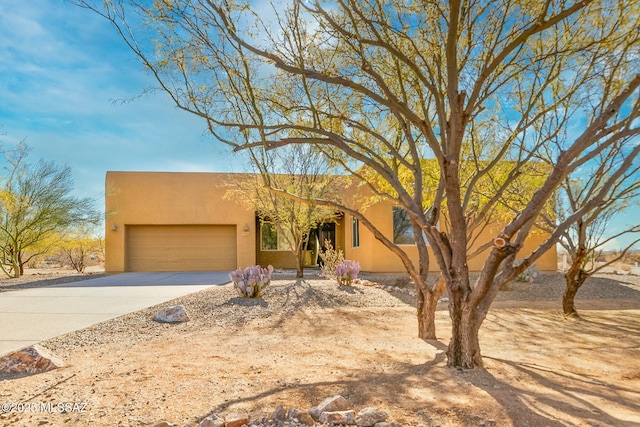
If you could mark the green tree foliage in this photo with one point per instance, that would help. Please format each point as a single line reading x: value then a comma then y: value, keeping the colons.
x: 473, y: 85
x: 36, y: 205
x: 298, y: 170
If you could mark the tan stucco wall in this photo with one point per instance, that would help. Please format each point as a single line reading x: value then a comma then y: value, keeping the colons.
x: 375, y: 257
x: 372, y: 254
x: 133, y: 198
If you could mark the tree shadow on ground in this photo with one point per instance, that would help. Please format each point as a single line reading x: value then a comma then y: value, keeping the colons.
x: 561, y: 370
x: 350, y: 289
x: 549, y: 287
x: 315, y: 296
x: 523, y: 407
x: 554, y: 393
x: 303, y: 290
x: 356, y: 390
x: 246, y: 302
x: 522, y: 392
x: 291, y: 297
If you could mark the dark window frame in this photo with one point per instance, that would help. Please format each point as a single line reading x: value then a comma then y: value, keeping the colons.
x: 355, y: 232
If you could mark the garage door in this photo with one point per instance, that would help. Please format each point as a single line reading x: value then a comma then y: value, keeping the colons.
x: 180, y: 247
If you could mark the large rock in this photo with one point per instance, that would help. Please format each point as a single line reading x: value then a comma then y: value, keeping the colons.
x: 369, y: 417
x: 236, y: 419
x: 176, y: 314
x: 338, y: 417
x: 301, y: 416
x: 211, y: 421
x: 30, y: 360
x: 279, y: 414
x: 330, y: 404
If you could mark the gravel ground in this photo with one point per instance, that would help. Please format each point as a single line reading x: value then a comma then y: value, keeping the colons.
x: 549, y: 287
x: 221, y: 306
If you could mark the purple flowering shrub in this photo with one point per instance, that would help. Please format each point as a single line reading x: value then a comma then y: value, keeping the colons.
x: 251, y: 281
x: 347, y: 272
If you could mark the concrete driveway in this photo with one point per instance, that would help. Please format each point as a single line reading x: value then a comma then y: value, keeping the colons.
x: 29, y: 316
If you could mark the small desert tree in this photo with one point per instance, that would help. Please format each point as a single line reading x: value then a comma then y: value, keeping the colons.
x: 299, y: 170
x: 35, y: 204
x: 585, y: 239
x: 78, y: 245
x: 389, y: 84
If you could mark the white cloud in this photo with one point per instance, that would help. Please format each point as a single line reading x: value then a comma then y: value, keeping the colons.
x: 61, y: 67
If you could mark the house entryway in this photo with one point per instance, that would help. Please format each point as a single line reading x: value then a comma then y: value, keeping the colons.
x: 317, y: 238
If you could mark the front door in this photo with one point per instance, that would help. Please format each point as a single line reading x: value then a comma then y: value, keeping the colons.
x: 316, y: 243
x: 327, y: 232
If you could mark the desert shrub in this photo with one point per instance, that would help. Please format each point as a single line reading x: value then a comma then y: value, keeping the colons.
x: 347, y: 272
x: 251, y: 281
x: 632, y: 257
x: 529, y: 275
x: 331, y: 259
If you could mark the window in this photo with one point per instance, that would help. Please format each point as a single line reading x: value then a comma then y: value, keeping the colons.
x: 355, y: 233
x: 402, y: 229
x: 271, y: 240
x: 268, y: 237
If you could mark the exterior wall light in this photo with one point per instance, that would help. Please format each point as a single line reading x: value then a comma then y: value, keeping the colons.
x: 114, y: 227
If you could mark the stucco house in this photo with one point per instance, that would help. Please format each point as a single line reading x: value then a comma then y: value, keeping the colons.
x: 166, y: 221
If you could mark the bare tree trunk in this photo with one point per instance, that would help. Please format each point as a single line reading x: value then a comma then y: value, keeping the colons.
x: 575, y: 276
x: 468, y: 309
x: 15, y: 269
x: 464, y: 347
x: 300, y: 262
x: 15, y: 264
x: 574, y: 279
x: 20, y: 264
x: 466, y: 319
x: 426, y: 306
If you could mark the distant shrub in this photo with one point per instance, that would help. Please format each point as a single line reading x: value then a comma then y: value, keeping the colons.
x: 331, y: 259
x: 529, y: 275
x: 251, y: 281
x: 347, y: 272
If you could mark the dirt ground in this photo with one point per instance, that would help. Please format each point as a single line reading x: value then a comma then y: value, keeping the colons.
x: 308, y: 340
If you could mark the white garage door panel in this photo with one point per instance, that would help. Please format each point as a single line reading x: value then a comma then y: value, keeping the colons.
x: 180, y: 247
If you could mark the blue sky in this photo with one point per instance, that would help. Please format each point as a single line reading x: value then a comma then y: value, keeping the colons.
x: 62, y: 71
